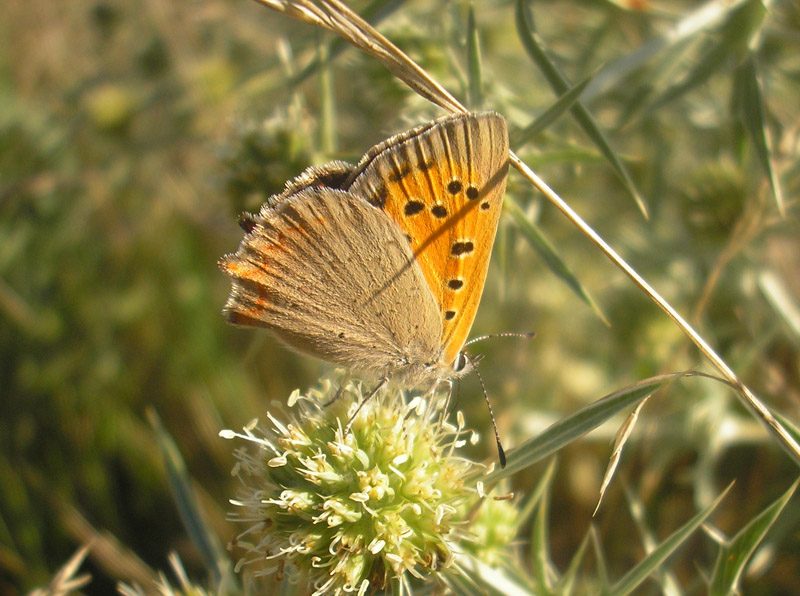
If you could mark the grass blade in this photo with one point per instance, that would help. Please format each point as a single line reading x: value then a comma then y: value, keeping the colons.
x: 475, y: 97
x: 634, y: 578
x: 533, y: 499
x: 600, y: 557
x: 214, y: 556
x: 782, y: 302
x: 705, y: 17
x: 751, y: 104
x: 736, y: 30
x: 545, y: 250
x: 484, y: 579
x: 546, y: 118
x: 750, y: 400
x: 560, y: 85
x: 790, y: 426
x: 540, y: 555
x: 327, y: 100
x: 578, y: 424
x: 733, y: 557
x: 567, y: 581
x: 664, y: 578
x: 623, y: 434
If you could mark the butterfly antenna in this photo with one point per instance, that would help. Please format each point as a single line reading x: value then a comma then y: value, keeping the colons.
x: 501, y: 454
x: 526, y: 335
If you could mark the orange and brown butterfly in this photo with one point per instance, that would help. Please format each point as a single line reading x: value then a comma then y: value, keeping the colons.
x: 380, y: 267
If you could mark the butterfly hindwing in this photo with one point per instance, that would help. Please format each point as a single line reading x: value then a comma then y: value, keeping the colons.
x: 443, y: 184
x: 330, y: 275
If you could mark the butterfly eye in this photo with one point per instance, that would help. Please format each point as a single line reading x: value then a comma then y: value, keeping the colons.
x: 461, y: 362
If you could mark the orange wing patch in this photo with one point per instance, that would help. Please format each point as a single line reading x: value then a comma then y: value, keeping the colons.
x: 443, y: 184
x: 256, y: 269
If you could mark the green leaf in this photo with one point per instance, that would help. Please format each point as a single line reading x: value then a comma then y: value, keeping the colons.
x: 535, y: 48
x: 733, y: 556
x: 567, y: 581
x: 461, y: 583
x: 545, y: 250
x: 565, y: 101
x: 665, y: 580
x: 682, y: 32
x: 782, y: 301
x: 479, y: 578
x: 567, y: 430
x: 327, y: 126
x: 789, y: 426
x: 474, y: 60
x: 533, y: 499
x: 540, y: 567
x: 213, y: 554
x: 600, y: 556
x: 709, y: 64
x: 636, y: 576
x: 736, y: 32
x: 751, y: 104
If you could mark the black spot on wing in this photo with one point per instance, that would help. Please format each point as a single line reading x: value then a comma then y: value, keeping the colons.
x: 413, y: 207
x: 425, y: 164
x: 378, y: 198
x: 462, y: 248
x: 454, y: 187
x: 400, y: 172
x: 439, y: 211
x: 455, y: 284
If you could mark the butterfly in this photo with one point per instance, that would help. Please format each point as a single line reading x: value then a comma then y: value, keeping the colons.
x: 379, y: 267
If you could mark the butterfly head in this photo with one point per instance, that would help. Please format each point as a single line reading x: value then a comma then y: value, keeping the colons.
x: 421, y: 374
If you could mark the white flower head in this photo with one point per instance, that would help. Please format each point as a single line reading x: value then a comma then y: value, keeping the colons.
x: 347, y: 509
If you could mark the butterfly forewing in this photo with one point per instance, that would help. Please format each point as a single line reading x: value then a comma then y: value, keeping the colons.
x: 443, y: 185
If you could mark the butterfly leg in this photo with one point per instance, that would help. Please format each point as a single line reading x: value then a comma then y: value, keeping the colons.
x: 446, y: 408
x: 344, y: 377
x: 335, y: 398
x: 371, y: 394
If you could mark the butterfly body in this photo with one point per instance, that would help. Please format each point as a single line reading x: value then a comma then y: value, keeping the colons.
x: 379, y: 267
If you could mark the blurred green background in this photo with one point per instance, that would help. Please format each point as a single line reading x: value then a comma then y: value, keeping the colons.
x: 133, y: 133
